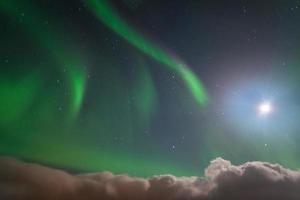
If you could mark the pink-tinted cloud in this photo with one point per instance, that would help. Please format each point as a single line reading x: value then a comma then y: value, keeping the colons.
x: 222, y: 181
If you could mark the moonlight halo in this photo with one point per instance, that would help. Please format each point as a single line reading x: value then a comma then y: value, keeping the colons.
x: 265, y: 108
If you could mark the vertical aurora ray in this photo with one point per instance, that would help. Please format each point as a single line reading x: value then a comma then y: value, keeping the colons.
x: 110, y: 18
x: 145, y: 94
x: 77, y: 81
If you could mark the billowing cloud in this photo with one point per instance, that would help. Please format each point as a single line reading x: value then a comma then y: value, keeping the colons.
x: 222, y: 181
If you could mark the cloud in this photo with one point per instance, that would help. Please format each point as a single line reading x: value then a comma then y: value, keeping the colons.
x: 222, y: 181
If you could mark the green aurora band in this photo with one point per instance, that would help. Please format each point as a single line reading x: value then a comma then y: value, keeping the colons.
x: 110, y: 18
x: 32, y: 128
x: 81, y: 136
x: 67, y: 60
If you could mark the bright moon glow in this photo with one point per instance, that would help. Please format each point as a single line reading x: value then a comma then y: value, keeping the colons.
x: 264, y: 108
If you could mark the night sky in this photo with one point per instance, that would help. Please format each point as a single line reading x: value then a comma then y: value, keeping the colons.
x: 147, y: 87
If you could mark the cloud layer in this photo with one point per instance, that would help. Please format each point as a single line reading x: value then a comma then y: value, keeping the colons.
x: 222, y: 181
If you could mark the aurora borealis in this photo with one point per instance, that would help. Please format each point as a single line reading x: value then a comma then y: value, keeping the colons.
x: 109, y: 17
x: 149, y: 87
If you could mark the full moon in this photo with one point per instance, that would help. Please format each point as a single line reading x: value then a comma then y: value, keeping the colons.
x: 265, y: 108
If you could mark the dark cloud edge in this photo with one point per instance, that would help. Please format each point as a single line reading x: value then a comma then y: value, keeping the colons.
x: 222, y: 181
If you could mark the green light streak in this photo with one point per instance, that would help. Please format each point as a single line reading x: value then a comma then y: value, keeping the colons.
x: 76, y: 77
x: 110, y: 18
x: 144, y: 93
